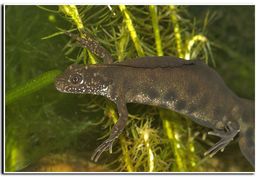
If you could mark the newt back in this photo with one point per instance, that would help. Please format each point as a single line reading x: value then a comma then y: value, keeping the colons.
x: 156, y: 62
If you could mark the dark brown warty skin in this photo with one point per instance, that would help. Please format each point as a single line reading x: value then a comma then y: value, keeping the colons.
x: 188, y: 87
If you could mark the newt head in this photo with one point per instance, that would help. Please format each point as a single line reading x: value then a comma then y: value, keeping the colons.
x: 72, y: 80
x: 82, y: 79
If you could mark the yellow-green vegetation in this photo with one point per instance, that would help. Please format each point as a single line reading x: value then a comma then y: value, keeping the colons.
x: 131, y: 30
x: 41, y: 120
x: 72, y: 12
x: 31, y: 86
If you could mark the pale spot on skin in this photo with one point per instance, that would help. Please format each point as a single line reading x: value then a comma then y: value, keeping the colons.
x: 219, y: 125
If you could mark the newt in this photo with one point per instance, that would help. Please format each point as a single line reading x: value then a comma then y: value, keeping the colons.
x: 188, y: 87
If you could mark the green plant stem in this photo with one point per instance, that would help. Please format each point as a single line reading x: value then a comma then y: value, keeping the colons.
x: 149, y: 151
x: 172, y: 130
x: 92, y: 58
x: 191, y: 148
x: 177, y: 32
x: 31, y: 86
x: 122, y: 43
x: 132, y: 30
x: 156, y: 30
x: 72, y: 11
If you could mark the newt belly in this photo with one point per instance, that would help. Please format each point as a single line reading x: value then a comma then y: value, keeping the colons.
x: 187, y: 87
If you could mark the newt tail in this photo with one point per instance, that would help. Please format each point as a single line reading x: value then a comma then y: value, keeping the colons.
x: 247, y: 132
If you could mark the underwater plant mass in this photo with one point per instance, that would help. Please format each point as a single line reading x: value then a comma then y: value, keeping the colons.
x: 120, y: 52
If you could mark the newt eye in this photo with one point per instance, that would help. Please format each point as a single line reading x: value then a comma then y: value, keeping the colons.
x: 76, y: 79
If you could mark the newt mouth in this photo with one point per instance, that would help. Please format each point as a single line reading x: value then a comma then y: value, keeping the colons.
x: 60, y: 84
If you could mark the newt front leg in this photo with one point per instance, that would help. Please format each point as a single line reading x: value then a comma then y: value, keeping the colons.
x: 93, y: 46
x: 115, y: 132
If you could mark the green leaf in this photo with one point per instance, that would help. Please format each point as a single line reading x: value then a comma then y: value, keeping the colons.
x: 31, y: 86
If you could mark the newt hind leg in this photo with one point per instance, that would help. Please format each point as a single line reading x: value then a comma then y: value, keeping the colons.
x: 226, y: 135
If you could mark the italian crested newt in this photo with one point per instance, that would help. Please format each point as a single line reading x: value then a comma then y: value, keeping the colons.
x: 188, y: 87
